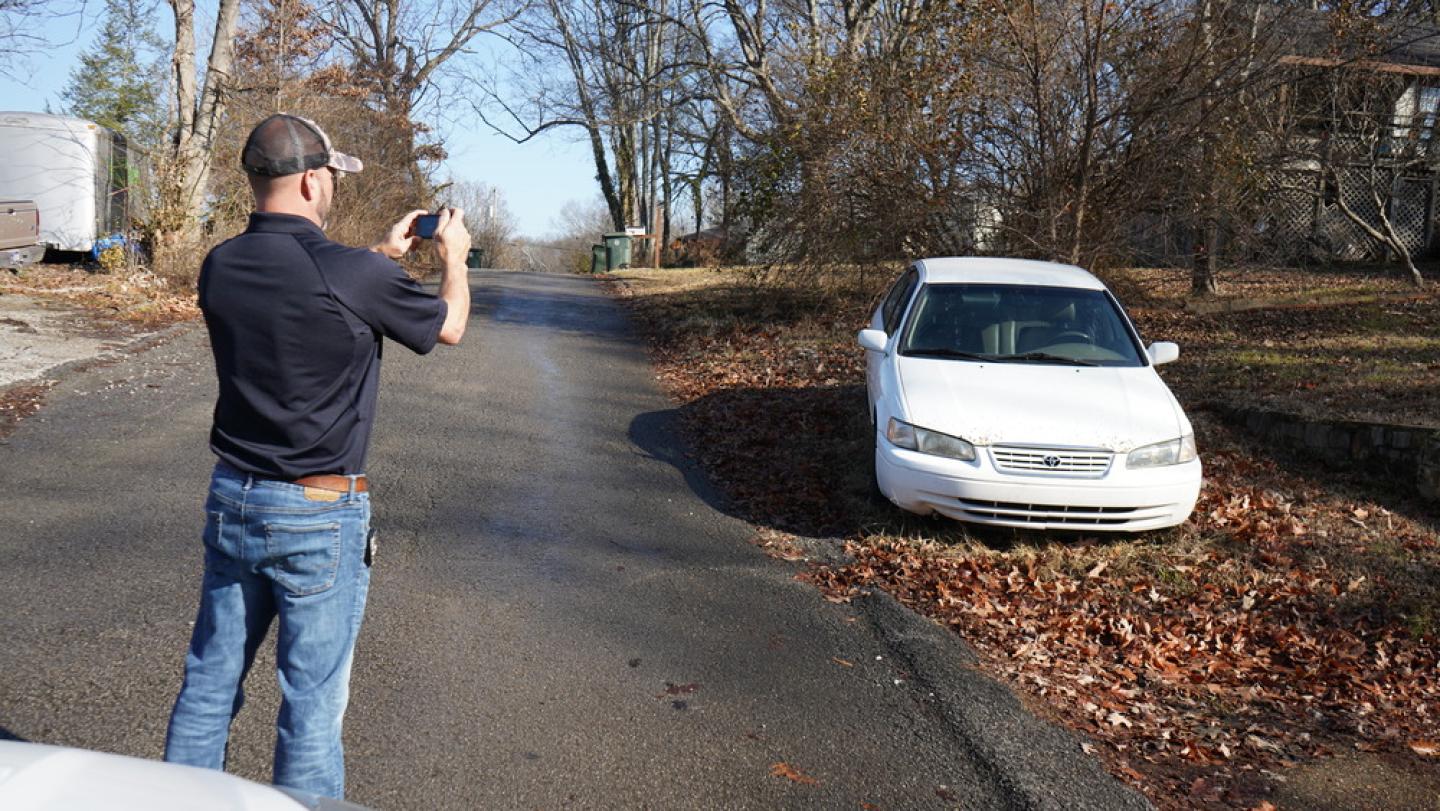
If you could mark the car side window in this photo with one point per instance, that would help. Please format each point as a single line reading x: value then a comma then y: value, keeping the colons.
x: 897, y: 299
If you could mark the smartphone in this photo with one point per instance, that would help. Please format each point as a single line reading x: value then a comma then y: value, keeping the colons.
x: 425, y: 225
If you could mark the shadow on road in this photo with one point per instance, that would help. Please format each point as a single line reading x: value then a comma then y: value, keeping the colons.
x: 790, y: 459
x: 658, y: 434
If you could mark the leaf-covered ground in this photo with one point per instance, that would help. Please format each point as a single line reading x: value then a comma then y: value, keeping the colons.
x: 136, y: 297
x: 1293, y: 618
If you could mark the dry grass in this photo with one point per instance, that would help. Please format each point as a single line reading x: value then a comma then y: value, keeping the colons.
x: 136, y: 296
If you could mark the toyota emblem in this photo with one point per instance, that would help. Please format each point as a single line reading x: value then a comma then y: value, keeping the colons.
x: 1052, y: 461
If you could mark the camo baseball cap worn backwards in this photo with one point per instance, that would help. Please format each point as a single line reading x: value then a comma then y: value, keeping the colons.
x: 285, y: 144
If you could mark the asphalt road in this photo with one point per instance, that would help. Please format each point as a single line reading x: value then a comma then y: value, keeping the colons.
x: 558, y: 617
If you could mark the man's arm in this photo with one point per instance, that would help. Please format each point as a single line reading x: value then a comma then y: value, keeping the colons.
x: 452, y: 247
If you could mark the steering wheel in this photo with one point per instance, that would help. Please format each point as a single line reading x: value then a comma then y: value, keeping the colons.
x: 1075, y: 336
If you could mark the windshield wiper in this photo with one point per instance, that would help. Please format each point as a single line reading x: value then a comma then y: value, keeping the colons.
x: 944, y: 352
x: 1041, y: 357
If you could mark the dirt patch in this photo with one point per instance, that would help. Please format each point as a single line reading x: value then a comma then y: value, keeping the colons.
x: 19, y: 402
x: 58, y: 316
x: 1292, y: 620
x: 39, y: 334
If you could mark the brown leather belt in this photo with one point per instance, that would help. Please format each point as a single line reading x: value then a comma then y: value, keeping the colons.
x: 333, y: 483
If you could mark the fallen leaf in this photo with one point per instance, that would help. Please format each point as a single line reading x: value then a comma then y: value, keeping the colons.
x: 785, y: 770
x: 1425, y: 748
x: 837, y: 660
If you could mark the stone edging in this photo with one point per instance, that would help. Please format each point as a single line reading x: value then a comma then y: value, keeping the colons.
x: 1406, y: 451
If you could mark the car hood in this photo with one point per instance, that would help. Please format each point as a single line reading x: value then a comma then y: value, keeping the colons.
x: 1119, y: 408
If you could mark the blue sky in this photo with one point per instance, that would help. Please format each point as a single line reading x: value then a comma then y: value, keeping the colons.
x: 535, y: 179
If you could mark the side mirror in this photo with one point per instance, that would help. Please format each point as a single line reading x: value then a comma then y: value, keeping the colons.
x: 874, y: 339
x: 1162, y: 352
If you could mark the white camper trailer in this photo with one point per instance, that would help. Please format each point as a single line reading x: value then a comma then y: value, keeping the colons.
x: 78, y: 173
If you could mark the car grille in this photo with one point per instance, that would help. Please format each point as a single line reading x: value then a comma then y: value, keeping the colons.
x: 1057, y: 515
x: 1090, y: 464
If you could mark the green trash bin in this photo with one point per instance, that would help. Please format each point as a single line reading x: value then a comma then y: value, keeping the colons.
x: 597, y: 258
x: 618, y: 249
x: 475, y: 259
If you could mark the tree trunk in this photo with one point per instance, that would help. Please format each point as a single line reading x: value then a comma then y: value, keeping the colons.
x: 197, y: 119
x: 606, y: 180
x: 1203, y: 264
x: 623, y: 146
x: 397, y: 106
x: 1091, y: 65
x: 1203, y: 261
x: 666, y: 182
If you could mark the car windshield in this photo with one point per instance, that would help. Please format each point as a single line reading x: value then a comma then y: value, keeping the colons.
x: 1019, y: 324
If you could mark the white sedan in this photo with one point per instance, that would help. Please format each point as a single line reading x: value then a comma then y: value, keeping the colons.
x: 35, y: 777
x: 1018, y: 393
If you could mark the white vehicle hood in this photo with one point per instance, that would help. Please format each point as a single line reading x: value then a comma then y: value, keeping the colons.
x: 1119, y: 408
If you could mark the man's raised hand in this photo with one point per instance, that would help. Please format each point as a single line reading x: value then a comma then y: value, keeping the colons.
x: 400, y: 240
x: 452, y: 240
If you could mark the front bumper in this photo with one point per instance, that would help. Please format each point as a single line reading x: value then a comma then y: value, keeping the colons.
x: 1122, y: 500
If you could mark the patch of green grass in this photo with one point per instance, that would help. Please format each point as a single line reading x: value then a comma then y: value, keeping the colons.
x: 1278, y: 365
x: 1422, y: 623
x: 1178, y: 582
x: 1383, y: 372
x: 1373, y: 318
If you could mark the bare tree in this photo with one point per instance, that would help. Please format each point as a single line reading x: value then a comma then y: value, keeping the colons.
x: 614, y: 69
x: 1367, y: 157
x: 199, y: 111
x: 491, y: 224
x: 577, y: 227
x: 843, y: 131
x: 402, y: 46
x: 22, y: 24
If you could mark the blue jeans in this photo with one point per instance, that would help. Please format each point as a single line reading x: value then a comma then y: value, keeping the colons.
x: 275, y: 549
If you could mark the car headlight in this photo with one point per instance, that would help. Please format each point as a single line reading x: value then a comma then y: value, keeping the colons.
x: 914, y: 438
x: 1174, y: 452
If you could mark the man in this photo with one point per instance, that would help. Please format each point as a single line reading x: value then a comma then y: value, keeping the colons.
x: 296, y: 323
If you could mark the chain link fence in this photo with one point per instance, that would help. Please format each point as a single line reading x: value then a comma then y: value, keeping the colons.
x: 1300, y: 220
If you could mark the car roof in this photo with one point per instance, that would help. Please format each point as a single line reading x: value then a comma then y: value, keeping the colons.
x: 990, y: 270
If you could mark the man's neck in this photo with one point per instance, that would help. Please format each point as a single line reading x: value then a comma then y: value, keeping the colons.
x: 294, y: 211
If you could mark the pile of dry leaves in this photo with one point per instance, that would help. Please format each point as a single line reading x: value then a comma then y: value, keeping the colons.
x: 1238, y: 647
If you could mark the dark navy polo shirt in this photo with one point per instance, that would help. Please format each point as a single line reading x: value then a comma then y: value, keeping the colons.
x: 296, y: 323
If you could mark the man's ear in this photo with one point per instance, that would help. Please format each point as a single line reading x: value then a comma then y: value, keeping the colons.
x: 310, y: 185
